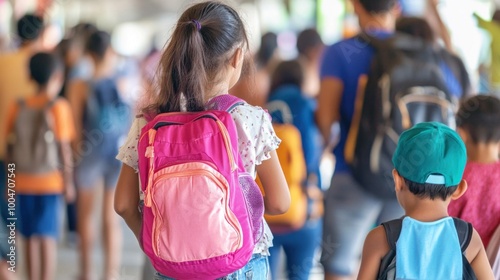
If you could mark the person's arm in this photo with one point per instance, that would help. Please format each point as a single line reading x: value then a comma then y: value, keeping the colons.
x: 438, y: 25
x: 127, y: 199
x: 67, y: 170
x: 65, y: 133
x: 329, y: 99
x: 478, y: 259
x: 374, y: 250
x: 277, y: 195
x: 77, y: 96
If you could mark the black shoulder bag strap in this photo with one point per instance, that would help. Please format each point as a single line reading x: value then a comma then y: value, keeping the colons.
x: 392, y: 232
x: 465, y: 231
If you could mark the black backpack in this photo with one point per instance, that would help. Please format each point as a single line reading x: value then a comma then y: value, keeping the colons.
x: 392, y: 228
x: 405, y: 87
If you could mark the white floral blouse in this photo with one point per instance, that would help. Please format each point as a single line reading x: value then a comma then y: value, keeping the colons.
x: 256, y: 139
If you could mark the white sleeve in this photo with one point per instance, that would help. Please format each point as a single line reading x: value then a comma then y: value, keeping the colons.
x: 128, y: 151
x: 256, y: 137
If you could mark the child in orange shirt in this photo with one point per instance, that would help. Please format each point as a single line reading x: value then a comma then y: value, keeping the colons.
x: 40, y: 129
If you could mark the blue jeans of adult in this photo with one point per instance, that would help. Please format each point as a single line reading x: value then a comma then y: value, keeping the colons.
x: 299, y: 247
x: 350, y: 213
x: 257, y: 269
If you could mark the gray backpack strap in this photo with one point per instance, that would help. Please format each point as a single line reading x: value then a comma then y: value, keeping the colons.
x: 50, y: 104
x: 49, y: 118
x: 464, y: 231
x: 388, y: 264
x: 21, y: 103
x: 392, y: 231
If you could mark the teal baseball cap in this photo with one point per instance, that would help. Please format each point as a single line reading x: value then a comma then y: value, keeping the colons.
x: 431, y: 152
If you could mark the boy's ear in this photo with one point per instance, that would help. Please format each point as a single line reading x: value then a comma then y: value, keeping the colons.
x: 461, y: 189
x: 237, y: 58
x: 398, y: 180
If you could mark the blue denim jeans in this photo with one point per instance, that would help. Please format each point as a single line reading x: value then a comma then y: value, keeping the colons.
x: 299, y: 247
x: 257, y: 269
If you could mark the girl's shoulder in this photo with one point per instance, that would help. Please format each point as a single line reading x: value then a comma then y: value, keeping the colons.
x: 248, y: 111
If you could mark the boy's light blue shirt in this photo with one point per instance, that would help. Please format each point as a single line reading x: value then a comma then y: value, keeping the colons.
x: 428, y: 250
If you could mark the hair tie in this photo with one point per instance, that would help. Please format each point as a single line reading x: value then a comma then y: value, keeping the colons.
x: 197, y: 23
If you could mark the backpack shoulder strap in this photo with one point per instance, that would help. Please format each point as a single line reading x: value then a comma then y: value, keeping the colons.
x: 281, y: 106
x: 21, y: 102
x: 464, y: 231
x: 387, y: 265
x: 225, y: 102
x: 236, y: 104
x: 51, y: 104
x: 392, y: 231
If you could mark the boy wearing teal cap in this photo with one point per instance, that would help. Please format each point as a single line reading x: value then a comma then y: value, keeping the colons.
x: 426, y: 243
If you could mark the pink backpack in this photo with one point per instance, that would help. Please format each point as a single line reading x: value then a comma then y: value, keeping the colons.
x: 202, y: 212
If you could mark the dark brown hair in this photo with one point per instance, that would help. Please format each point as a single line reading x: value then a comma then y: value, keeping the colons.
x: 308, y: 39
x: 480, y: 117
x: 417, y: 27
x: 287, y: 73
x: 378, y: 6
x: 197, y: 52
x: 30, y: 27
x: 97, y: 44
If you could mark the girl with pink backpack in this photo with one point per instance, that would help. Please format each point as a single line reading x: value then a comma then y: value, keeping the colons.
x: 197, y: 149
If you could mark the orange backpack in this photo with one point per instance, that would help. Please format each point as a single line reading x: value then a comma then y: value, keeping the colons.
x: 291, y: 157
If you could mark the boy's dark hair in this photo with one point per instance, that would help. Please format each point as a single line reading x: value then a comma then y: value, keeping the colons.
x: 377, y: 6
x: 43, y: 66
x: 29, y: 27
x: 79, y: 34
x: 203, y: 41
x: 98, y: 43
x: 480, y: 117
x: 308, y: 39
x: 431, y: 191
x: 415, y: 26
x: 287, y: 73
x: 83, y: 29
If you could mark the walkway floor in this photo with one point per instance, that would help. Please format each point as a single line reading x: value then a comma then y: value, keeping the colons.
x: 132, y: 261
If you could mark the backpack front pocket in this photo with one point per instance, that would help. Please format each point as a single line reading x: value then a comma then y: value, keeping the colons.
x: 192, y: 217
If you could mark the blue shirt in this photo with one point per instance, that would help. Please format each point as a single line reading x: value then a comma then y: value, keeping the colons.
x: 347, y: 60
x: 302, y: 110
x: 428, y: 250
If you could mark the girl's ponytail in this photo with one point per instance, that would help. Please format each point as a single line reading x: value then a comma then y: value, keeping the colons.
x: 199, y: 49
